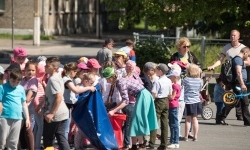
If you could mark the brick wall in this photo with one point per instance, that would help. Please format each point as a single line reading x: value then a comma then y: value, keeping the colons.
x: 23, y: 14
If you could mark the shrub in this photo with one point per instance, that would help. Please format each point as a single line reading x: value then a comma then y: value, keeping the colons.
x: 151, y: 50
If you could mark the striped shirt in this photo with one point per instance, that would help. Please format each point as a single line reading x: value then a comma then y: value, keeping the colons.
x: 192, y: 90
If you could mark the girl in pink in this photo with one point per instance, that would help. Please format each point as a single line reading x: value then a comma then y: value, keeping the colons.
x: 39, y: 101
x: 19, y: 57
x: 174, y: 76
x: 30, y: 84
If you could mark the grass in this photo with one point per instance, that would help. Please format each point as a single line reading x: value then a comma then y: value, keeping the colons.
x: 141, y: 26
x: 25, y: 37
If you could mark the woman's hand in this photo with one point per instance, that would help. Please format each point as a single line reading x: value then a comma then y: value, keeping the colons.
x: 111, y: 113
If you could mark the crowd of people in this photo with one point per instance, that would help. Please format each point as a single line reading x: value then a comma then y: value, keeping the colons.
x: 37, y: 96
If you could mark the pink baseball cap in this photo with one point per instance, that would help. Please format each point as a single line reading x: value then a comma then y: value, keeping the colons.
x: 93, y: 63
x: 20, y: 51
x: 83, y: 66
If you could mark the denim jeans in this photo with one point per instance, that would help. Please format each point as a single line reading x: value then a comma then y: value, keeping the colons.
x: 128, y: 110
x: 55, y: 129
x: 219, y: 107
x: 174, y: 125
x: 38, y: 130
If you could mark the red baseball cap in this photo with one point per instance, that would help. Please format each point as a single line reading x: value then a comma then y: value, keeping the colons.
x: 93, y: 63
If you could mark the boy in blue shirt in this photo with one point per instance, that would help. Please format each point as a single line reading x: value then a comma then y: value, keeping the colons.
x: 12, y: 105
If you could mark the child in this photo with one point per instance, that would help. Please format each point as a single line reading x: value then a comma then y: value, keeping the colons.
x: 1, y: 75
x: 219, y: 90
x: 39, y: 101
x: 193, y: 85
x: 20, y: 57
x: 94, y: 66
x: 174, y: 76
x: 143, y: 119
x: 12, y: 104
x: 162, y: 88
x: 68, y: 74
x: 56, y: 112
x: 30, y: 84
x: 80, y: 140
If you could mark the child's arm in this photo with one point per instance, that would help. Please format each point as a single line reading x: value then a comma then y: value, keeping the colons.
x: 1, y: 107
x: 26, y: 114
x: 172, y: 96
x: 30, y: 96
x: 76, y: 90
x: 48, y: 117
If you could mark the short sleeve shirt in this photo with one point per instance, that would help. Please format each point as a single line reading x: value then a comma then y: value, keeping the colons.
x: 54, y: 86
x: 12, y: 99
x: 175, y: 101
x: 230, y: 52
x: 238, y: 61
x: 69, y: 96
x: 30, y: 85
x: 162, y: 87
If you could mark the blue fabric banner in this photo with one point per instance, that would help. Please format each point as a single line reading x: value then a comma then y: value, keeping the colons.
x: 91, y: 117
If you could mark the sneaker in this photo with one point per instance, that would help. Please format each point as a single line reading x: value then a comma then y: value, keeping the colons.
x: 173, y: 146
x: 195, y: 139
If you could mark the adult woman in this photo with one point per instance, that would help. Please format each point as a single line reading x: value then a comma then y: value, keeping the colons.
x: 143, y: 119
x: 186, y: 57
x: 120, y: 62
x: 183, y: 54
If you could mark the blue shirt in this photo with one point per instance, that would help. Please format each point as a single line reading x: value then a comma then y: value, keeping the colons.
x: 192, y: 90
x: 238, y: 61
x: 218, y: 93
x: 12, y: 99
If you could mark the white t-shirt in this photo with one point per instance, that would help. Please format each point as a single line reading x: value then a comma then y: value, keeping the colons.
x: 230, y: 52
x: 162, y: 87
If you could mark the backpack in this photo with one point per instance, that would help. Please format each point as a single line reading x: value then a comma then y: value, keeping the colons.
x: 226, y: 73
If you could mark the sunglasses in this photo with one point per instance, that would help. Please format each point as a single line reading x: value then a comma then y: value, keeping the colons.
x: 186, y: 46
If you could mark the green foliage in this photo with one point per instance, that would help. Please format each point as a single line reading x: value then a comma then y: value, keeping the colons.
x: 160, y: 52
x: 25, y: 37
x: 151, y: 50
x: 206, y: 16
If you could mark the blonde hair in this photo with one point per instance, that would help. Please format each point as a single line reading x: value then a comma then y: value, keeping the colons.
x: 235, y: 31
x: 193, y: 71
x: 183, y: 41
x: 88, y: 76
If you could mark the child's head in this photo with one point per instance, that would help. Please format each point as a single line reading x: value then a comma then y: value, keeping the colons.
x: 174, y: 75
x: 30, y: 69
x: 161, y: 69
x: 1, y: 74
x: 110, y: 75
x: 52, y: 65
x: 15, y: 77
x: 41, y: 62
x: 83, y: 60
x: 93, y: 65
x: 70, y: 69
x: 88, y: 79
x: 193, y: 71
x: 20, y: 55
x: 82, y: 69
x: 149, y: 68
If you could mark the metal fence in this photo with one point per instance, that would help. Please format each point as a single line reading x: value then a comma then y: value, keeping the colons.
x: 203, y: 41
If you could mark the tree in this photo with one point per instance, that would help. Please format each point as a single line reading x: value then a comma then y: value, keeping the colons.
x: 209, y: 15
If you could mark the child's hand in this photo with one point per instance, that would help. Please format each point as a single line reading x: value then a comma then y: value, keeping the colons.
x: 92, y: 88
x: 111, y: 113
x: 27, y: 123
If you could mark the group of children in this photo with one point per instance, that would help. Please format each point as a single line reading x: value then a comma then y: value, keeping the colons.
x: 36, y: 99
